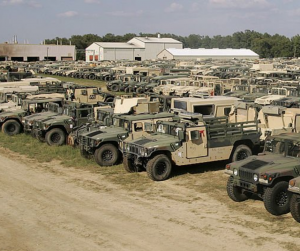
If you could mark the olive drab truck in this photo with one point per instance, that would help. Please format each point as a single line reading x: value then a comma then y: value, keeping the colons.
x: 103, y: 144
x: 103, y: 115
x: 189, y: 140
x: 55, y: 129
x: 268, y: 174
x: 11, y: 121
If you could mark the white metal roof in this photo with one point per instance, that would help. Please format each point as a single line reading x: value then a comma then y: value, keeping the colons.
x: 117, y: 45
x: 157, y: 40
x: 212, y: 52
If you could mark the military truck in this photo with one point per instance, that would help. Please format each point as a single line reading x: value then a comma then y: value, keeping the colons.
x: 103, y: 144
x: 32, y: 121
x: 190, y: 140
x: 11, y: 121
x: 268, y: 174
x: 294, y: 189
x: 103, y: 116
x: 55, y: 129
x: 85, y: 94
x: 208, y: 106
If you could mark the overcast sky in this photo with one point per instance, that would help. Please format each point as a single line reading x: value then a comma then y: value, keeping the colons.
x: 36, y: 20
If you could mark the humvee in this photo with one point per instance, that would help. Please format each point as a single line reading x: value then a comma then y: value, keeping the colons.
x: 54, y: 130
x: 208, y: 106
x: 103, y: 143
x: 11, y: 121
x: 268, y: 174
x: 103, y: 116
x: 190, y: 140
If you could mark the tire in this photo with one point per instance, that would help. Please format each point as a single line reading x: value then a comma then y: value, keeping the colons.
x: 129, y: 165
x: 159, y: 168
x: 277, y: 198
x: 115, y: 88
x: 127, y: 89
x: 92, y: 77
x: 11, y: 127
x: 235, y: 193
x: 241, y: 152
x: 295, y: 207
x: 55, y: 137
x: 107, y: 155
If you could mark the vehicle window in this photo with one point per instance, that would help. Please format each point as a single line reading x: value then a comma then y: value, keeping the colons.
x: 204, y: 109
x: 138, y: 126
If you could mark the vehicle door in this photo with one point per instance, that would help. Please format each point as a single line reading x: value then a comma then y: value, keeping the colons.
x: 196, y: 143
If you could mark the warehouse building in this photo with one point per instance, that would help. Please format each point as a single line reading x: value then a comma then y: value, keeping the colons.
x: 199, y: 54
x: 138, y: 48
x: 36, y: 52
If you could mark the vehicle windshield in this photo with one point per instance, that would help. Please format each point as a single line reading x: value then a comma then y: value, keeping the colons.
x: 168, y: 129
x: 53, y: 107
x: 278, y: 91
x: 279, y: 147
x: 274, y: 146
x: 69, y: 111
x: 121, y: 123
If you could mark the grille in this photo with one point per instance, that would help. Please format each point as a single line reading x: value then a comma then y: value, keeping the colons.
x: 247, y: 176
x: 253, y: 165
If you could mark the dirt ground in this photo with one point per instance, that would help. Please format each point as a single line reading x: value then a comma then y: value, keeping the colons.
x: 46, y: 207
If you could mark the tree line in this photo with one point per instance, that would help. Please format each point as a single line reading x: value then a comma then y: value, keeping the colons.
x: 265, y: 45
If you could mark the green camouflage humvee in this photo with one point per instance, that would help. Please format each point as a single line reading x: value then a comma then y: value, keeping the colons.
x: 267, y: 175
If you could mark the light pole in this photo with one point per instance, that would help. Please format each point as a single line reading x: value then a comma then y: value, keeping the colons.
x: 47, y: 52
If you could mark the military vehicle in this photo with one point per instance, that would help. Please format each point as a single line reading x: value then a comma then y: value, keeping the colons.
x: 190, y: 140
x: 85, y: 94
x: 278, y: 93
x: 55, y: 129
x: 11, y: 121
x: 267, y: 175
x: 31, y: 122
x: 294, y: 189
x: 6, y: 92
x: 208, y: 106
x: 104, y: 143
x: 103, y: 116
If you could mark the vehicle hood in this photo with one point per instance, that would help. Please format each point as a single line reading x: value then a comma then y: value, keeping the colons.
x: 156, y: 141
x: 108, y: 132
x: 264, y: 163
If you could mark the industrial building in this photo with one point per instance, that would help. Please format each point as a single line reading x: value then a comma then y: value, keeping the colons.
x: 36, y: 52
x: 138, y: 48
x: 199, y: 54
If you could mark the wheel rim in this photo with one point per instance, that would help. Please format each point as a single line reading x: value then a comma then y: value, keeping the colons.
x: 281, y: 199
x: 55, y: 137
x: 241, y: 155
x: 107, y: 155
x: 161, y: 167
x: 11, y: 128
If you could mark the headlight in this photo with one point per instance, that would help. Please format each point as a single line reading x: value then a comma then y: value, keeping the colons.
x: 292, y: 183
x: 142, y: 152
x: 235, y: 172
x: 255, y: 177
